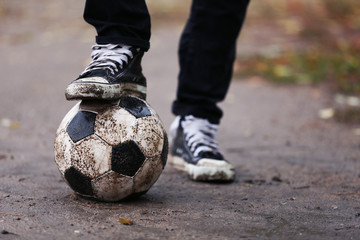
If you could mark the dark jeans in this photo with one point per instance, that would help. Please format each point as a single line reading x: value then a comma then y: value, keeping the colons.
x: 206, y: 52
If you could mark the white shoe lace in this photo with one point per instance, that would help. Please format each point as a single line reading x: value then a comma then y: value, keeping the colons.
x: 200, y: 135
x: 109, y: 56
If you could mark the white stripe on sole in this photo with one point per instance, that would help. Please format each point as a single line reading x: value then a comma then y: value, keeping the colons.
x: 98, y: 90
x: 205, y: 170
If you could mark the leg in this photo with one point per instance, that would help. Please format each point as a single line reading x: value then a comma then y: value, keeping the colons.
x: 123, y: 28
x: 206, y: 55
x: 119, y: 21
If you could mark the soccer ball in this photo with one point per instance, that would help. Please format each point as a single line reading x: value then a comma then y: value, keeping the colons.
x: 110, y: 151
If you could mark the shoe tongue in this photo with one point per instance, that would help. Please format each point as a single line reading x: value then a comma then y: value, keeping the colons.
x: 211, y: 155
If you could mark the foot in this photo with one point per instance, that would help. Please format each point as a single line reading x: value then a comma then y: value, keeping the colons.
x: 115, y: 71
x: 194, y: 149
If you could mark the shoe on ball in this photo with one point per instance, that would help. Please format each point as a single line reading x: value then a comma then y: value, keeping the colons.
x: 115, y: 71
x: 194, y: 149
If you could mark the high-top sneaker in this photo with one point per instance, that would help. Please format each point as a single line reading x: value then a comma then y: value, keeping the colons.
x: 194, y: 149
x: 115, y: 71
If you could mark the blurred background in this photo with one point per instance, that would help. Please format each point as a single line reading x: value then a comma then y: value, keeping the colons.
x: 302, y: 42
x: 297, y: 41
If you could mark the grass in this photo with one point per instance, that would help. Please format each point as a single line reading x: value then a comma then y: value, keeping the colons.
x: 340, y: 68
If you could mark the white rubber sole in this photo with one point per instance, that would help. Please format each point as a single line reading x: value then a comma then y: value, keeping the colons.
x: 98, y: 88
x: 205, y: 170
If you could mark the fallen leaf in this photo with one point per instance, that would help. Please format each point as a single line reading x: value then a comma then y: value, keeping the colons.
x: 5, y: 122
x: 125, y: 221
x: 326, y: 113
x: 353, y: 101
x: 14, y: 125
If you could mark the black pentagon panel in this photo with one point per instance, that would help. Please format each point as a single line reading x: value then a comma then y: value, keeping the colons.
x: 126, y: 158
x: 135, y: 106
x: 165, y: 151
x: 79, y: 182
x: 81, y: 126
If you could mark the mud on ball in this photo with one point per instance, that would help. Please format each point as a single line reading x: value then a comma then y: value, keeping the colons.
x: 110, y: 151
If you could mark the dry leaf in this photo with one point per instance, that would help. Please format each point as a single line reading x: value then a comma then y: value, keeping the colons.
x: 125, y: 221
x: 5, y: 122
x: 326, y: 113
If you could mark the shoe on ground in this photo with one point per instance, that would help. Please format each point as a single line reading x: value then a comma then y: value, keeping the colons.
x: 194, y: 150
x: 115, y: 71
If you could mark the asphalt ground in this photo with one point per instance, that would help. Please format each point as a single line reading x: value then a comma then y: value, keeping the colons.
x: 297, y: 174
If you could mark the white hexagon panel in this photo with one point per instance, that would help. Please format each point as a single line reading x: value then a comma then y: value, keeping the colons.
x: 115, y: 125
x: 92, y: 156
x: 149, y: 136
x: 112, y: 186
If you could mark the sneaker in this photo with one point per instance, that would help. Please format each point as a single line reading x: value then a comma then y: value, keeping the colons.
x: 194, y: 149
x: 115, y: 71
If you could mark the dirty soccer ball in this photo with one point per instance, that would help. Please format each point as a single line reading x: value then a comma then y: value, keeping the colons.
x: 110, y: 151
